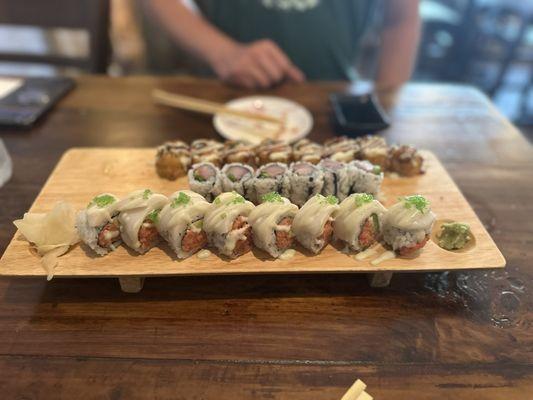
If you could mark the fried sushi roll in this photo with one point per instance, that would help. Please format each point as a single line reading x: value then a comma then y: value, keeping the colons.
x: 97, y: 225
x: 305, y: 150
x: 336, y: 178
x: 239, y: 151
x: 305, y: 180
x: 405, y: 161
x: 270, y: 150
x: 172, y: 160
x: 207, y: 150
x: 271, y: 224
x: 273, y: 177
x: 358, y: 221
x: 226, y: 225
x: 342, y: 149
x: 407, y: 225
x: 238, y: 178
x: 373, y: 149
x: 180, y: 223
x: 365, y: 177
x: 138, y: 213
x: 313, y: 223
x: 204, y: 179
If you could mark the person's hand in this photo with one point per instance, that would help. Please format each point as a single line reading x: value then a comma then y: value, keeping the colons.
x: 260, y: 64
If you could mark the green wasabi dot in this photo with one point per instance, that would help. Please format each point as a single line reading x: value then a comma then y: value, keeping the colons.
x: 102, y: 201
x: 182, y: 199
x: 272, y: 197
x: 217, y: 201
x: 328, y: 199
x: 146, y: 194
x: 238, y: 199
x: 232, y: 177
x: 376, y: 170
x: 363, y: 198
x: 416, y: 201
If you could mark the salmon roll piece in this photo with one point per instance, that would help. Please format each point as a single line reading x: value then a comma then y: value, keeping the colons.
x: 238, y: 178
x: 365, y: 177
x: 407, y: 225
x: 336, y: 178
x: 273, y: 177
x: 271, y: 224
x: 138, y: 214
x: 97, y: 225
x: 305, y: 180
x: 358, y: 221
x: 180, y: 223
x: 313, y: 223
x: 226, y: 225
x: 205, y: 179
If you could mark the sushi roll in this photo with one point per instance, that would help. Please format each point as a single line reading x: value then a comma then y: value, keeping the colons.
x: 358, y: 221
x: 305, y: 180
x: 172, y: 160
x: 226, y: 225
x: 342, y: 149
x: 271, y: 224
x: 336, y: 178
x: 305, y: 150
x: 374, y: 149
x: 407, y: 225
x: 239, y: 151
x: 97, y: 225
x: 138, y: 214
x: 207, y: 150
x: 270, y: 150
x: 365, y: 177
x: 238, y: 178
x: 405, y: 161
x: 204, y: 179
x: 313, y: 223
x: 180, y: 223
x: 271, y: 177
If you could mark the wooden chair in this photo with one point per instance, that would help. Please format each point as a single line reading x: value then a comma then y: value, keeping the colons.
x: 91, y: 16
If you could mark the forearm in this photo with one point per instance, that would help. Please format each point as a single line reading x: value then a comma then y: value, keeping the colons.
x: 191, y: 31
x: 399, y: 44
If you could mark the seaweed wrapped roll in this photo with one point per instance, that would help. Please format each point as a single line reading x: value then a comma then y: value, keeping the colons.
x: 358, y: 221
x: 180, y: 223
x: 97, y: 225
x: 226, y: 224
x: 138, y: 214
x: 336, y: 178
x: 204, y: 179
x: 365, y: 177
x: 313, y: 223
x: 407, y: 224
x: 305, y: 180
x: 237, y: 177
x: 271, y: 224
x: 271, y: 177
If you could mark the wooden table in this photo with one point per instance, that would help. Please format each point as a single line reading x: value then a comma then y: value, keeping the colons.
x: 427, y: 336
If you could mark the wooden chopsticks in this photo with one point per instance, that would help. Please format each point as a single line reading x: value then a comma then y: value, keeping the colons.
x: 207, y: 107
x: 357, y: 392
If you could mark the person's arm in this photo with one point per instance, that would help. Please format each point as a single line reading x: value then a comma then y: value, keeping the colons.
x: 399, y: 43
x: 258, y: 64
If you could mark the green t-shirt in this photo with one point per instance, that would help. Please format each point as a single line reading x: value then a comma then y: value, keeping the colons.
x: 321, y: 37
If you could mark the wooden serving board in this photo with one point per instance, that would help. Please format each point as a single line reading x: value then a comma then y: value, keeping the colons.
x: 83, y: 173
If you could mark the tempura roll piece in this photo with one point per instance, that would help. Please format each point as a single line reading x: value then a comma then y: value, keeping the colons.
x: 180, y: 223
x: 172, y: 160
x: 239, y: 151
x: 271, y: 224
x: 336, y: 178
x: 226, y: 225
x: 406, y: 161
x: 273, y: 177
x: 374, y: 149
x: 305, y: 180
x: 97, y: 225
x: 407, y: 225
x: 313, y: 223
x: 270, y: 150
x: 204, y: 179
x: 305, y: 150
x: 365, y: 177
x: 342, y: 149
x: 358, y: 221
x: 207, y: 150
x: 138, y: 214
x: 238, y: 178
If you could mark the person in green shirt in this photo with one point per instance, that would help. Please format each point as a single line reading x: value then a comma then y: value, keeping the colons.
x: 260, y: 43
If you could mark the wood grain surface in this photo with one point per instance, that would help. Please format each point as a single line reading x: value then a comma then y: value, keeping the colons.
x: 84, y: 173
x: 450, y: 335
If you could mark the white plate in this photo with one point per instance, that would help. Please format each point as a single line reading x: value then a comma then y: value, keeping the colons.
x: 298, y: 120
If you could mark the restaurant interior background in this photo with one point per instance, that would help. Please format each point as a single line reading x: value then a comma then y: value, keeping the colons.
x: 486, y: 43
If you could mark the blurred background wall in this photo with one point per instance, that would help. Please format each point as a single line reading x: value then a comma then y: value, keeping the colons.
x: 486, y: 43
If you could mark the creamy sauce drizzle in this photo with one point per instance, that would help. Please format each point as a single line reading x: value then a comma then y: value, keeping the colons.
x: 388, y: 255
x: 98, y: 216
x: 203, y: 254
x: 408, y: 219
x: 370, y: 252
x: 287, y: 254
